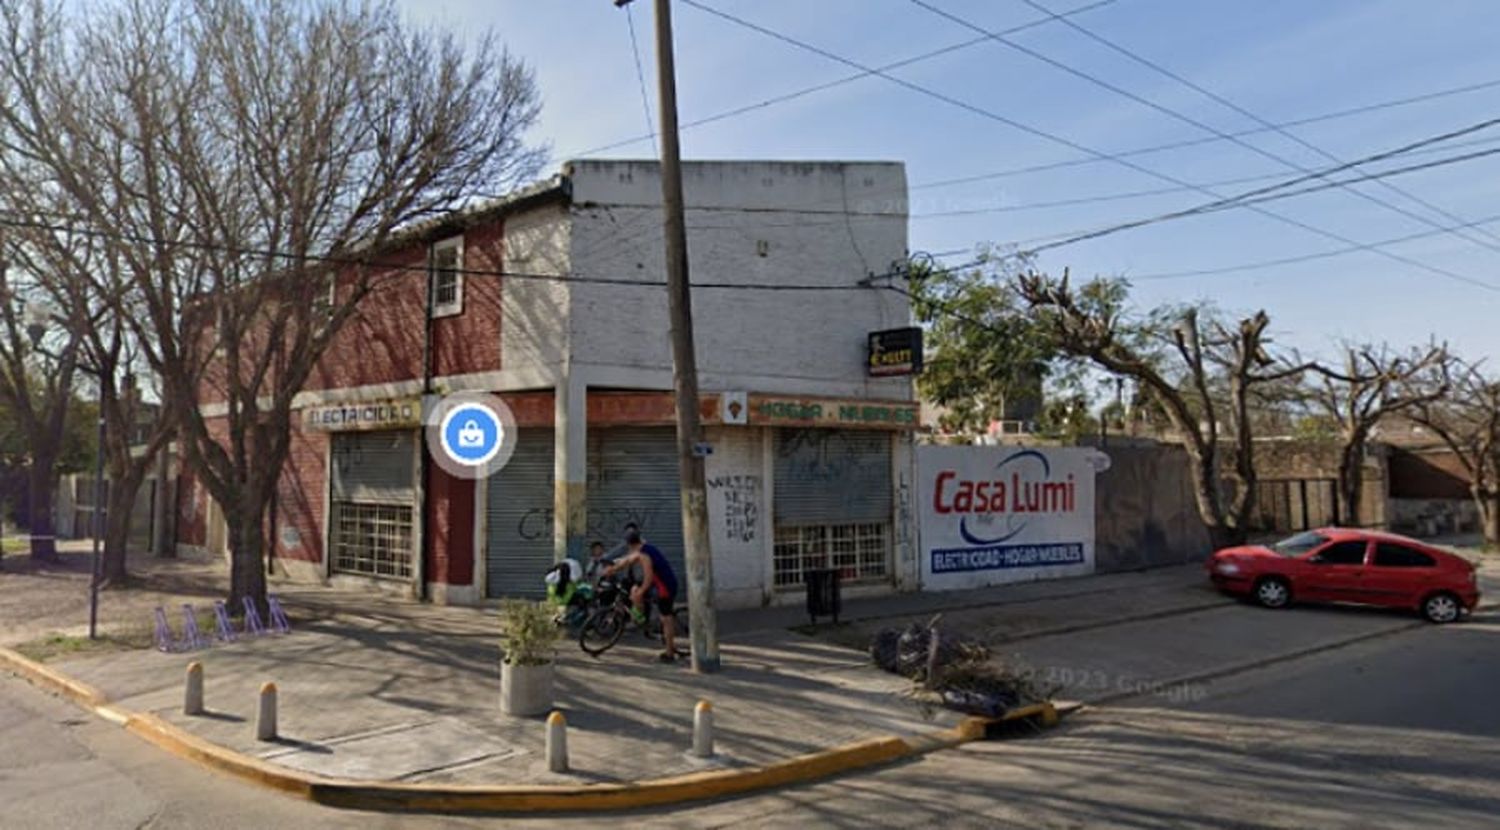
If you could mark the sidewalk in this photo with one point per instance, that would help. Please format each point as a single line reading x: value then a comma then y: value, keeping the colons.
x: 391, y: 690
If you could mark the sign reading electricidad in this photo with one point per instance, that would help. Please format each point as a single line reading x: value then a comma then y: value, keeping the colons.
x: 895, y: 352
x: 471, y: 434
x: 364, y: 415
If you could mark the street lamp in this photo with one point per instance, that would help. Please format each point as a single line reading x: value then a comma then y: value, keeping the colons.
x: 37, y: 320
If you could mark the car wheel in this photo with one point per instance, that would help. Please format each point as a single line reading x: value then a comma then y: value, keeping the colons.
x: 1273, y: 592
x: 1441, y: 608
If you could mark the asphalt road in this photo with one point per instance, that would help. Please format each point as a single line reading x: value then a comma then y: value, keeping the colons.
x: 1399, y: 730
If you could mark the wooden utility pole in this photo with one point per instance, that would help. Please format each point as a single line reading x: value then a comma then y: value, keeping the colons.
x: 700, y: 587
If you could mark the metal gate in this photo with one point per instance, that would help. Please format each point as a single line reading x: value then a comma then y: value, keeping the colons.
x: 372, y: 493
x: 1287, y: 505
x: 832, y: 504
x: 519, y: 515
x: 633, y: 477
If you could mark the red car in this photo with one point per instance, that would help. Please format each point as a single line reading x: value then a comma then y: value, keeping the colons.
x: 1344, y: 565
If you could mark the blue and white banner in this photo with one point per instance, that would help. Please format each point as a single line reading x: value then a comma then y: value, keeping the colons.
x: 991, y: 515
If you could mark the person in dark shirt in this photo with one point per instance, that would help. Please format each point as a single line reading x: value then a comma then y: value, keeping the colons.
x: 658, y: 582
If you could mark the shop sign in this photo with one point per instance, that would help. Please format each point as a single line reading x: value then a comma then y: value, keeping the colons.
x: 770, y: 411
x: 895, y: 352
x: 990, y: 515
x: 391, y: 414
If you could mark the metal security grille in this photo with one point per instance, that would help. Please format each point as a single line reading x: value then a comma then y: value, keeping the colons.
x: 373, y: 503
x: 372, y: 539
x: 859, y: 552
x: 519, y: 519
x: 833, y: 505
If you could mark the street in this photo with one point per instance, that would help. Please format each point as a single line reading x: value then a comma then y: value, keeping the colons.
x: 1398, y: 729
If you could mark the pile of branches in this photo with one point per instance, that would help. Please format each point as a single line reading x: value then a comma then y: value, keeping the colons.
x: 956, y: 669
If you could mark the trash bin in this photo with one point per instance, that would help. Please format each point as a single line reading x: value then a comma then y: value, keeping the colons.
x: 823, y: 595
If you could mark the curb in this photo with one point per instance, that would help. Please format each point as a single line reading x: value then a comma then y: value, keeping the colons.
x: 541, y: 798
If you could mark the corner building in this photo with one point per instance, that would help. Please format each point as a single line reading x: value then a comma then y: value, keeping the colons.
x: 811, y: 463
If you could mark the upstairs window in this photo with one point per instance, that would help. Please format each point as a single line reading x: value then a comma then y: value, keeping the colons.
x: 448, y: 278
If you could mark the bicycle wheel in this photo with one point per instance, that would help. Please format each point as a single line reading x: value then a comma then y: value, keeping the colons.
x: 602, y: 630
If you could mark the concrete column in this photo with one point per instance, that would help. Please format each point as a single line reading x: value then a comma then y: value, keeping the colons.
x: 570, y: 470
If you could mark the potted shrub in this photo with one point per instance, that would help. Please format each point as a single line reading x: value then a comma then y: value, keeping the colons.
x: 528, y: 633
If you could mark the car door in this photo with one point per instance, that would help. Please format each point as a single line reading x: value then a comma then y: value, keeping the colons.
x: 1399, y: 575
x: 1335, y: 572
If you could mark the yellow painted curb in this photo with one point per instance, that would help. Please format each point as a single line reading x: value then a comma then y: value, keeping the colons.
x: 81, y: 693
x: 544, y: 798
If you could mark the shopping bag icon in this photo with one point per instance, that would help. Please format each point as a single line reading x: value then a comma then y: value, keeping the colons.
x: 470, y: 435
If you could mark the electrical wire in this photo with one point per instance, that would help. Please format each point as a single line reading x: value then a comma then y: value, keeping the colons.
x: 1186, y: 119
x: 640, y: 76
x: 816, y: 88
x: 1040, y: 133
x: 1213, y: 96
x: 1312, y: 257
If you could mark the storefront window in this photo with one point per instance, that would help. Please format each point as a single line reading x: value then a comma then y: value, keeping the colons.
x: 372, y: 539
x: 859, y: 551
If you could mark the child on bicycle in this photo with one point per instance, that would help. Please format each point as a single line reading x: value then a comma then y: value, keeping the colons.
x: 658, y: 583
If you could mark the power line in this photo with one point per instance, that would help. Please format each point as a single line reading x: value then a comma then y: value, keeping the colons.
x: 1026, y: 128
x: 1272, y: 192
x: 1089, y: 33
x: 640, y: 76
x: 816, y: 88
x: 1172, y: 113
x: 1196, y: 142
x: 1293, y: 260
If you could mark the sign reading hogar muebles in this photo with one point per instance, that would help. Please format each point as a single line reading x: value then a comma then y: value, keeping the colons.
x: 1004, y: 514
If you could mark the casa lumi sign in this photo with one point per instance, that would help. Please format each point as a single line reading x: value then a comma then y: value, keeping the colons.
x: 991, y: 515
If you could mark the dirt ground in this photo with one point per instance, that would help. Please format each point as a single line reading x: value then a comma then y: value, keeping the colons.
x: 38, y: 601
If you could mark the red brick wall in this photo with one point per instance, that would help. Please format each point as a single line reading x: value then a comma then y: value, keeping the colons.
x: 449, y: 557
x: 470, y: 342
x: 299, y: 496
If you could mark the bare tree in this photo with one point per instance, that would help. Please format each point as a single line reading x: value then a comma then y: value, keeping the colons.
x: 1199, y: 370
x: 1374, y: 384
x: 38, y: 387
x: 1467, y: 419
x: 247, y: 161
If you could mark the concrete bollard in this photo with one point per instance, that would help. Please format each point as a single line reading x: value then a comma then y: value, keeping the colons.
x: 265, y: 718
x: 192, y: 697
x: 703, y: 729
x: 557, y: 742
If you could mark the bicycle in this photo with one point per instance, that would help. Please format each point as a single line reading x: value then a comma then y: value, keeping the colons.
x: 606, y: 625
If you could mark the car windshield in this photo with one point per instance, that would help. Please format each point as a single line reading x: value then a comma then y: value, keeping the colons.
x: 1299, y: 544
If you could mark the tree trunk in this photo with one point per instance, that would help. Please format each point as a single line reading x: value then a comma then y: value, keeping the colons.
x: 247, y: 573
x: 121, y: 501
x: 42, y: 528
x: 1221, y: 533
x: 1351, y: 485
x: 1489, y: 517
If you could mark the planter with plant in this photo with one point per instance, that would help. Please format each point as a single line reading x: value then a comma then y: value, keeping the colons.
x: 528, y: 634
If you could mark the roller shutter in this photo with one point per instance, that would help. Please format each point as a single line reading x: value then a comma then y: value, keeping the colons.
x: 632, y: 476
x: 519, y: 515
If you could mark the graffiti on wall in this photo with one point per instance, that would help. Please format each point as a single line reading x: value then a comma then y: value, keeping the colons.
x: 742, y: 505
x: 605, y: 524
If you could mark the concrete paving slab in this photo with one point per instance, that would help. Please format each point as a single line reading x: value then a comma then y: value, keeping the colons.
x: 397, y: 753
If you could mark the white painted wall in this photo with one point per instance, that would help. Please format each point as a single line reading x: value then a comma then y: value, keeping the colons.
x: 739, y: 516
x: 750, y: 223
x: 533, y: 326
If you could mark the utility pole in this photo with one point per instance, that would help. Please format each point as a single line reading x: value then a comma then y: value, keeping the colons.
x: 701, y: 615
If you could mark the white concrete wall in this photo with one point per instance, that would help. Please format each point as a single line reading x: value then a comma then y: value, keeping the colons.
x: 750, y: 223
x: 533, y: 326
x: 739, y: 516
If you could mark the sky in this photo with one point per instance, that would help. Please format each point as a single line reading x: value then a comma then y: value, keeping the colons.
x: 1275, y: 61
